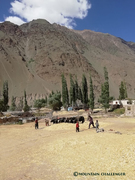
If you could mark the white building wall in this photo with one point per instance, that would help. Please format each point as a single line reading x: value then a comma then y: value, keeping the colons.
x: 123, y: 102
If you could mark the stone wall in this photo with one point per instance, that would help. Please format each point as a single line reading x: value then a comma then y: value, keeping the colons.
x: 130, y: 110
x: 8, y: 119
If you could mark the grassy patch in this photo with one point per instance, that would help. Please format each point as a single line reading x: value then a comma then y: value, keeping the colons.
x: 20, y: 122
x: 119, y: 111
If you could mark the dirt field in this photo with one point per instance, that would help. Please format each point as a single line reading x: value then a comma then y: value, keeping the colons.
x: 57, y: 151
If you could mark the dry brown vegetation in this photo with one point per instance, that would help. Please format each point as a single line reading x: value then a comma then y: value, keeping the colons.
x: 57, y: 151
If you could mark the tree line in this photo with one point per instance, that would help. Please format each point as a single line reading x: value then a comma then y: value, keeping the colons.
x: 77, y: 92
x: 68, y: 96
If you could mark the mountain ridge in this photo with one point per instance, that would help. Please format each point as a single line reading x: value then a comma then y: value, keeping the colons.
x: 34, y: 55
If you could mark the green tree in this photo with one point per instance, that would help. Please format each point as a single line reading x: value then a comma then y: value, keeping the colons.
x: 5, y: 95
x: 72, y: 90
x: 46, y: 100
x: 80, y: 94
x: 55, y: 101
x: 84, y: 90
x: 104, y: 97
x: 1, y: 105
x: 106, y: 84
x: 52, y: 92
x: 50, y: 95
x: 122, y: 90
x: 76, y: 89
x: 91, y: 103
x: 39, y: 103
x: 65, y: 96
x: 26, y: 107
x: 125, y: 87
x: 13, y: 105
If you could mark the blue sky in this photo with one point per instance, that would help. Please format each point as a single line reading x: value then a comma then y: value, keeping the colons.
x: 116, y: 17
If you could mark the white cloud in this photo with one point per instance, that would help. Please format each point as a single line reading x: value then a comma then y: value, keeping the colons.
x: 55, y: 11
x: 15, y: 20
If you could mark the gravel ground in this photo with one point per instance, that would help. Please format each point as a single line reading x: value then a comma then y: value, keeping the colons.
x: 57, y: 151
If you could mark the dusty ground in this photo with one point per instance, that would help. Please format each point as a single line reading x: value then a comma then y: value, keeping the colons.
x: 57, y: 151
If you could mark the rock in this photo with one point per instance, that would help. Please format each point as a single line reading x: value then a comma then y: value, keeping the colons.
x: 100, y: 130
x: 117, y: 132
x: 24, y: 121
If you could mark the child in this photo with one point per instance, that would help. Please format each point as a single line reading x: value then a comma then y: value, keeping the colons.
x: 97, y: 125
x: 46, y: 122
x: 77, y: 126
x: 36, y: 123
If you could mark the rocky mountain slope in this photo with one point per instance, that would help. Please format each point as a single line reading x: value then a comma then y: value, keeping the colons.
x: 114, y: 53
x: 34, y: 55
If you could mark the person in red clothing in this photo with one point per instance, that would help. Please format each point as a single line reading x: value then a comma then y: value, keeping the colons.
x: 36, y: 123
x: 77, y: 126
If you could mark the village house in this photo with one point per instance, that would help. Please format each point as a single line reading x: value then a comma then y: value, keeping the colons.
x: 123, y: 102
x: 129, y: 106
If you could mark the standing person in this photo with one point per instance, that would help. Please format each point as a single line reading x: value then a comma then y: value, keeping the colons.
x: 97, y: 125
x: 46, y: 121
x: 36, y: 123
x: 90, y: 120
x: 77, y: 126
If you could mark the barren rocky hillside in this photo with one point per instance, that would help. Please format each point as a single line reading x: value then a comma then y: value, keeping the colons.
x: 114, y: 53
x: 34, y: 55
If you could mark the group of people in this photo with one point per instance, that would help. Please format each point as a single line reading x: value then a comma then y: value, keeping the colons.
x: 36, y: 122
x: 90, y: 119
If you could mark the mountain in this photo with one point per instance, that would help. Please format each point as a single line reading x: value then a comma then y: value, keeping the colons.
x: 114, y: 53
x: 34, y: 55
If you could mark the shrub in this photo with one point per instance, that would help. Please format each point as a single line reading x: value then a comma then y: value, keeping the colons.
x: 55, y: 101
x: 119, y: 111
x: 20, y: 122
x: 40, y: 103
x: 26, y: 108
